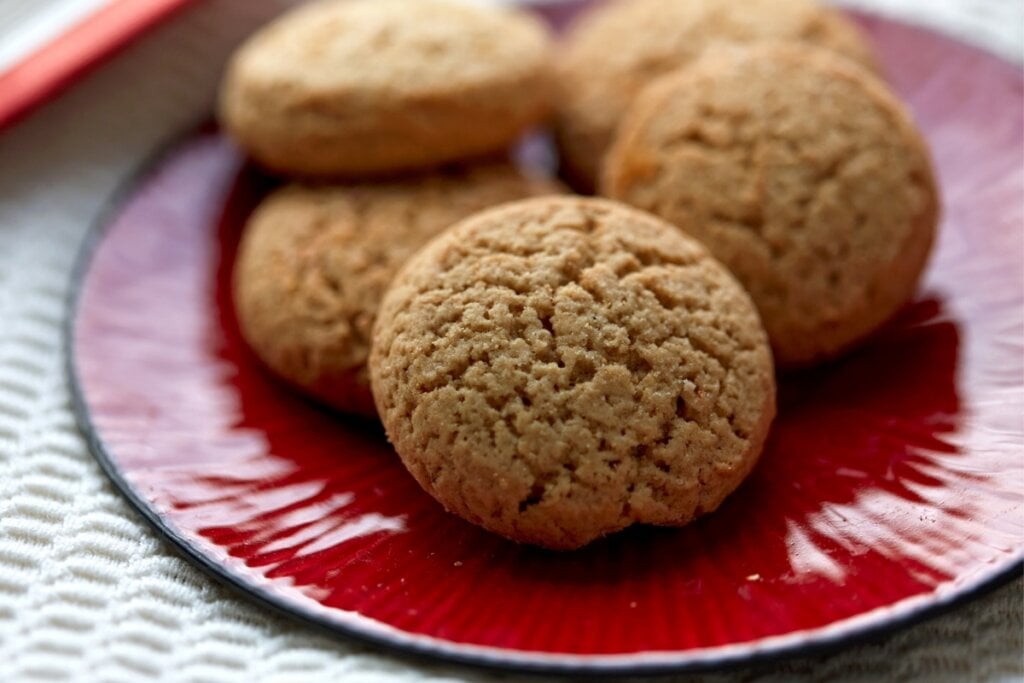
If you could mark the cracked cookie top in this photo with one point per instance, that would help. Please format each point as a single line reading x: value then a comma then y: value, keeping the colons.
x: 801, y: 172
x: 557, y: 369
x: 597, y: 82
x: 315, y: 260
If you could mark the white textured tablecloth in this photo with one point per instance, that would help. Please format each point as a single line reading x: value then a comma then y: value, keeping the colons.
x: 87, y: 591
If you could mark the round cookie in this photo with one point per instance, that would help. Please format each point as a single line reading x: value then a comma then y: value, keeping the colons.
x: 654, y: 37
x: 363, y: 87
x: 798, y: 170
x: 314, y: 262
x: 558, y: 369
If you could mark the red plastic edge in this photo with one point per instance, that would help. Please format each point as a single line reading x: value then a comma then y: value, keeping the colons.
x: 50, y: 69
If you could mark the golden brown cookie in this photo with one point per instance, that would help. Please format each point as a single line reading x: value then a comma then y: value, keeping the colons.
x: 802, y: 173
x: 365, y: 87
x: 618, y: 48
x: 557, y: 369
x: 314, y: 263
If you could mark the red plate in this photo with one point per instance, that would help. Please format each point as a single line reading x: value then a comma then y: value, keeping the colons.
x: 892, y: 487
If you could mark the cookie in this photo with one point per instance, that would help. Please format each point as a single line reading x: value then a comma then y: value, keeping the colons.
x: 560, y: 368
x: 351, y: 88
x: 314, y: 262
x: 802, y: 173
x: 618, y: 48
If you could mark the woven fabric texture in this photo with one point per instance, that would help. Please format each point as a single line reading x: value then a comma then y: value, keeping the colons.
x: 87, y: 591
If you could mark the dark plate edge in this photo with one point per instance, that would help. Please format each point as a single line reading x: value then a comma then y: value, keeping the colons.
x: 432, y: 651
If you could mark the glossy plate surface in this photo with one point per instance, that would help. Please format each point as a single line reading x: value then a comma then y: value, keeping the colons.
x: 892, y: 486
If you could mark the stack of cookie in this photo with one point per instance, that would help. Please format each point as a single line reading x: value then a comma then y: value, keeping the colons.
x: 555, y: 368
x: 394, y: 118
